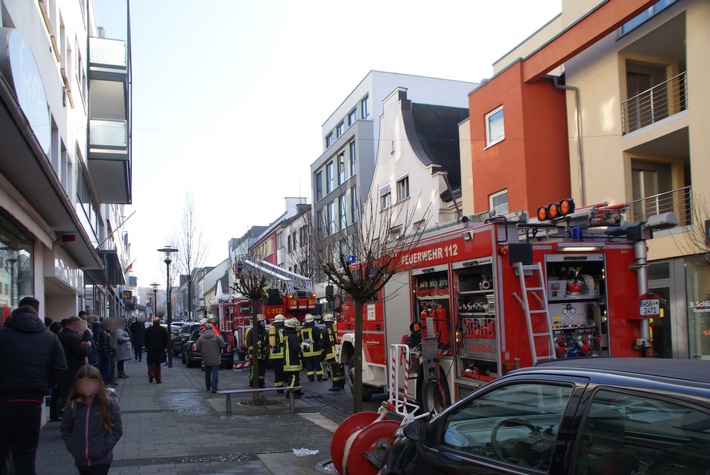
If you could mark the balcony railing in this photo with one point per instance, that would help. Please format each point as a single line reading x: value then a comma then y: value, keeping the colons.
x: 679, y: 201
x: 654, y: 104
x: 108, y: 53
x: 108, y: 134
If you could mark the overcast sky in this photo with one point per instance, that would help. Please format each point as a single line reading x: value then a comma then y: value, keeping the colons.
x: 229, y: 95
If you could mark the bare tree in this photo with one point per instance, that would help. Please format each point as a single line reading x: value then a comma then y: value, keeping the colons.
x: 362, y: 258
x: 191, y: 249
x: 251, y: 283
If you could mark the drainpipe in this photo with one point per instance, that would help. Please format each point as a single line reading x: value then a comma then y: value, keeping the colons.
x: 578, y: 116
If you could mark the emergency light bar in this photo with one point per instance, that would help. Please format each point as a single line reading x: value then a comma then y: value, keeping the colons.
x: 555, y: 210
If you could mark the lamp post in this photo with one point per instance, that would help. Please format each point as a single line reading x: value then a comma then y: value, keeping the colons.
x: 167, y: 250
x: 155, y: 286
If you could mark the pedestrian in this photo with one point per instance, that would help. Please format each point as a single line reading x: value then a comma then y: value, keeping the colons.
x: 91, y: 425
x: 138, y: 336
x: 276, y: 351
x: 261, y: 345
x: 210, y: 345
x: 292, y: 356
x: 215, y: 325
x: 102, y: 339
x: 31, y: 361
x: 111, y: 325
x: 330, y: 340
x: 125, y: 350
x: 312, y: 348
x: 88, y: 335
x: 156, y: 343
x: 55, y: 327
x: 76, y: 352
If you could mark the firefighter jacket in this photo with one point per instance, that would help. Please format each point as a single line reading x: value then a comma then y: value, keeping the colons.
x: 292, y: 351
x: 309, y: 331
x: 262, y: 349
x: 276, y: 341
x: 330, y: 341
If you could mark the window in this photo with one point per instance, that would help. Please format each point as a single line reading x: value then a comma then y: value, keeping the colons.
x: 329, y: 140
x: 495, y: 131
x: 339, y: 129
x: 329, y: 185
x: 635, y: 433
x: 353, y: 205
x: 386, y: 200
x: 320, y: 220
x: 498, y: 202
x: 353, y: 159
x: 332, y: 223
x: 364, y: 112
x: 319, y: 185
x: 303, y: 235
x: 645, y: 15
x: 403, y: 189
x: 294, y: 242
x: 341, y: 168
x: 494, y: 424
x: 352, y: 117
x: 279, y: 240
x: 288, y: 240
x: 304, y: 265
x: 342, y: 212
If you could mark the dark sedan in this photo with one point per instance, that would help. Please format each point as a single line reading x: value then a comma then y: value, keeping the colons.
x: 181, y: 336
x: 627, y: 416
x: 192, y: 357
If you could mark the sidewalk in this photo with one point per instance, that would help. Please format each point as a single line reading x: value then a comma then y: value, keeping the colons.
x: 177, y: 427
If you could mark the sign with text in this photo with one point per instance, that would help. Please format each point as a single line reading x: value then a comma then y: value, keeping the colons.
x: 649, y: 306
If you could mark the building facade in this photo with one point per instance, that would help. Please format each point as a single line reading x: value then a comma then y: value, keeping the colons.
x: 65, y: 163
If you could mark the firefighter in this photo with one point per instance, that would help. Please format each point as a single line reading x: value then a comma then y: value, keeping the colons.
x: 330, y: 340
x: 312, y: 339
x: 292, y: 356
x: 261, y: 350
x: 276, y: 353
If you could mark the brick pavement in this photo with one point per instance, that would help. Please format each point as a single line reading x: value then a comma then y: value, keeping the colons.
x: 177, y: 427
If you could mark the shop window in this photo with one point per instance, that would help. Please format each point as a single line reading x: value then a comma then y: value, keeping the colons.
x: 16, y: 263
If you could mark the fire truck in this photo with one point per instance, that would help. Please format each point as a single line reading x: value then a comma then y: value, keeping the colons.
x: 484, y: 297
x: 289, y: 294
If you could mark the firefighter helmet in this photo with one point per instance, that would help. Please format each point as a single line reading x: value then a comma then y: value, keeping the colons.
x: 260, y: 318
x: 291, y: 323
x: 328, y: 317
x: 279, y: 318
x: 203, y: 321
x: 309, y: 318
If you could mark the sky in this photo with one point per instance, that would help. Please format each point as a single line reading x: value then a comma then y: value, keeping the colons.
x: 229, y: 96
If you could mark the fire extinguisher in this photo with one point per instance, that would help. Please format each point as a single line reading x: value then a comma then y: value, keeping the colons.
x: 422, y: 320
x: 440, y: 315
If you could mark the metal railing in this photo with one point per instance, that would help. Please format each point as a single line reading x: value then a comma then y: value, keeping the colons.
x: 679, y: 201
x: 655, y: 104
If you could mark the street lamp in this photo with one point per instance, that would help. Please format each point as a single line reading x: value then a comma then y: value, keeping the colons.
x: 155, y: 286
x: 167, y: 250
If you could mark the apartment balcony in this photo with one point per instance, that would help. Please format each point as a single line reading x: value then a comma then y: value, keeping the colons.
x: 655, y: 104
x: 109, y: 120
x: 678, y: 201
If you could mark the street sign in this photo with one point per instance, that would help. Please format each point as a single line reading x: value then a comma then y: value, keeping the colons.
x: 127, y: 295
x: 649, y: 306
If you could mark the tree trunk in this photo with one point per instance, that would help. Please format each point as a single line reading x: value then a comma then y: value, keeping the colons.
x: 357, y: 380
x: 254, y: 351
x: 189, y: 299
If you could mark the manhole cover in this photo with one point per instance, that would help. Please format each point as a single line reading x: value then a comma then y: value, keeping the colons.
x: 326, y: 466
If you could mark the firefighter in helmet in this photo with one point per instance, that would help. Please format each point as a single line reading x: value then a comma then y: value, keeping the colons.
x: 261, y: 350
x: 312, y: 339
x: 330, y: 340
x: 292, y: 356
x: 276, y: 350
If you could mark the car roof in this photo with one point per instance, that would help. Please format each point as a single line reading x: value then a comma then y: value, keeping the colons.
x: 695, y: 371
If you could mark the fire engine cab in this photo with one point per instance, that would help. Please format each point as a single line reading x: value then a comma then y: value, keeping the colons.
x: 481, y: 298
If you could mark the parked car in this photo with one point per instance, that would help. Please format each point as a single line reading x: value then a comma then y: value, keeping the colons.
x: 192, y: 357
x: 583, y: 416
x: 178, y: 340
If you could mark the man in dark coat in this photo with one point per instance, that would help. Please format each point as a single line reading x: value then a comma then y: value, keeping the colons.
x: 138, y: 337
x: 156, y: 342
x: 31, y: 361
x: 76, y: 351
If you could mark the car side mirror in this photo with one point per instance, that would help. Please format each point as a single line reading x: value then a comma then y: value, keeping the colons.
x: 416, y: 430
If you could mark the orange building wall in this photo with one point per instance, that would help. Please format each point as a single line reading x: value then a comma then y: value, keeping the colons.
x: 534, y: 117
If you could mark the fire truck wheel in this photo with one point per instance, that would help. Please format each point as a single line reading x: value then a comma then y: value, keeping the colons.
x: 433, y: 396
x: 366, y: 395
x: 345, y: 430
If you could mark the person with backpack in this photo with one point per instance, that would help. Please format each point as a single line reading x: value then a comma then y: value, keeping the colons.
x: 91, y: 425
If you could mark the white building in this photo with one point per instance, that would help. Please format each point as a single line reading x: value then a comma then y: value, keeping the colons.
x: 65, y: 160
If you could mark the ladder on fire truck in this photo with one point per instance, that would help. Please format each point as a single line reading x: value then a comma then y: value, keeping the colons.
x: 532, y: 284
x: 287, y: 281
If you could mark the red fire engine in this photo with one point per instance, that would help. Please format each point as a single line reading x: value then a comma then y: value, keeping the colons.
x: 289, y: 294
x: 504, y: 293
